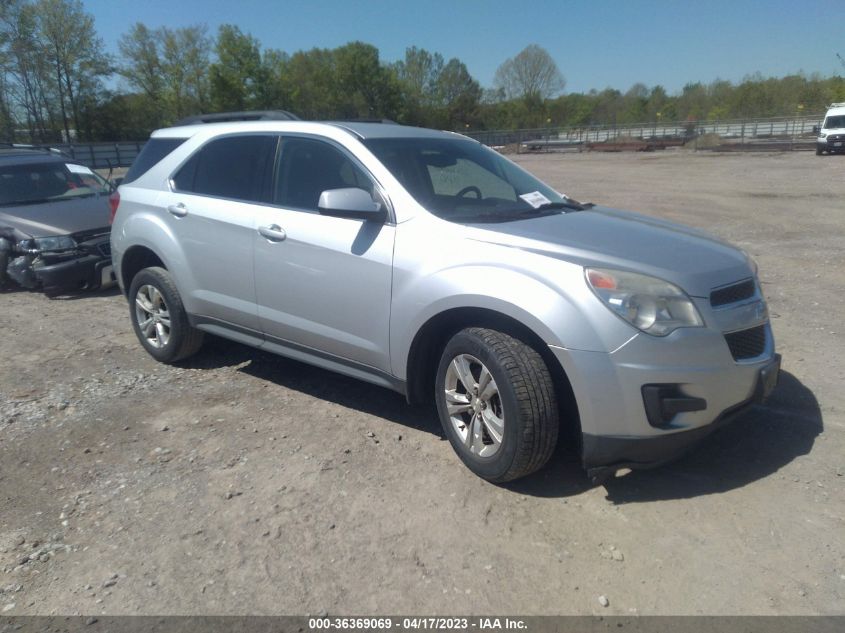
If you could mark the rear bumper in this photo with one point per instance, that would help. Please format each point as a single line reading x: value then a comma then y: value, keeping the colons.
x: 604, y: 455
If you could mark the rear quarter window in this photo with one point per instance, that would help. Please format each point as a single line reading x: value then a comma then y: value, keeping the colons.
x: 154, y: 150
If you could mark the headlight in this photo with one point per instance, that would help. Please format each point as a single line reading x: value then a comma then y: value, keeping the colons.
x: 652, y: 305
x: 822, y: 135
x: 61, y: 243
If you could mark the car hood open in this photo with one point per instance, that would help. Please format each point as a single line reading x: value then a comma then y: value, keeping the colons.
x: 603, y: 237
x: 57, y: 217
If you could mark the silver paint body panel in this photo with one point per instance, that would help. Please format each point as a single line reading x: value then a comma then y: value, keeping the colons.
x: 351, y: 295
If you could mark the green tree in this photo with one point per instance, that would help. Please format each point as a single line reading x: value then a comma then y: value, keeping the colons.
x: 273, y: 90
x: 184, y: 65
x: 418, y: 74
x: 169, y: 67
x: 142, y: 65
x: 236, y: 74
x: 366, y: 88
x: 70, y: 46
x: 458, y: 95
x: 28, y: 78
x: 311, y: 85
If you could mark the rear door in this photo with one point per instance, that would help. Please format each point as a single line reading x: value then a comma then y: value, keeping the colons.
x: 323, y: 282
x: 211, y: 212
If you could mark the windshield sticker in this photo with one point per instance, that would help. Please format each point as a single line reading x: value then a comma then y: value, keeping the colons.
x: 535, y: 199
x: 78, y: 169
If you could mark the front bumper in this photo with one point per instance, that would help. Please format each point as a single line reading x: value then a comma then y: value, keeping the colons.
x: 90, y: 269
x: 615, y: 423
x: 831, y: 145
x: 609, y: 454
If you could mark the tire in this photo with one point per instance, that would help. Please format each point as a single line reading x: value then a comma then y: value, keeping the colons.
x: 504, y: 435
x: 153, y: 299
x: 819, y: 151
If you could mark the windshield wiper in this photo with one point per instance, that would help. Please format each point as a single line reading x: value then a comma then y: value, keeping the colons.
x: 510, y: 216
x: 569, y: 203
x: 15, y: 203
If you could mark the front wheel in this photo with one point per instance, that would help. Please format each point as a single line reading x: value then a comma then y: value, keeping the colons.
x: 497, y: 404
x: 159, y: 318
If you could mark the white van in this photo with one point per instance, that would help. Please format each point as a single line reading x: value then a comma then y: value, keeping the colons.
x: 831, y: 137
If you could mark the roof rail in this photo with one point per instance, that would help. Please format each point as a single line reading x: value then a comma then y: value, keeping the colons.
x: 837, y: 105
x: 364, y: 120
x: 32, y: 148
x: 254, y: 115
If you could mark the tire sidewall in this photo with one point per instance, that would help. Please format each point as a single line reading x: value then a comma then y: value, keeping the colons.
x: 495, y: 466
x: 159, y: 278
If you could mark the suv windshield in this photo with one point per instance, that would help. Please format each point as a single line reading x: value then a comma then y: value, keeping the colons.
x: 464, y: 181
x: 833, y: 122
x: 32, y: 183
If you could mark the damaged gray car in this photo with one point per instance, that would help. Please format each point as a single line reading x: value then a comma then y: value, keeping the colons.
x: 54, y: 223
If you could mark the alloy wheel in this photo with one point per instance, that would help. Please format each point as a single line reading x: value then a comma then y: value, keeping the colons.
x: 474, y: 405
x: 152, y: 316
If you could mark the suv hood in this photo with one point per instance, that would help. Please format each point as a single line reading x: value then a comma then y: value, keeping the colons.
x: 602, y: 237
x: 58, y: 217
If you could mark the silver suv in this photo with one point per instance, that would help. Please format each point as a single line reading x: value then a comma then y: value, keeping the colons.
x: 424, y: 262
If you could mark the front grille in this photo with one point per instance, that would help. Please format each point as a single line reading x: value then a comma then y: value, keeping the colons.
x: 836, y: 137
x: 748, y: 343
x: 105, y: 249
x: 733, y: 293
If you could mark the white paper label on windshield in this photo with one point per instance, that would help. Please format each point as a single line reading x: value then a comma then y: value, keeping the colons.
x: 535, y: 199
x: 78, y: 169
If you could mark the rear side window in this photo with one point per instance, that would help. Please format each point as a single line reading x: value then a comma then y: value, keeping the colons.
x: 154, y: 150
x: 234, y: 167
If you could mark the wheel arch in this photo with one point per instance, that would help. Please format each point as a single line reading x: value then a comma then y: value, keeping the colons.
x: 134, y: 260
x: 429, y: 341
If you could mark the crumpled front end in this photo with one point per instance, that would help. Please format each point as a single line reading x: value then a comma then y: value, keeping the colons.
x: 81, y: 261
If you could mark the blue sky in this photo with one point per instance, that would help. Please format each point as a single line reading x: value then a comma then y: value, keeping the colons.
x: 596, y: 43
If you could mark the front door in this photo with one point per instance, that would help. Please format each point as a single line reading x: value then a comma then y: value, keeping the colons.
x: 322, y: 283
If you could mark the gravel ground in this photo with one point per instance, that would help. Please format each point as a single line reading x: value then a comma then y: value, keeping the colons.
x: 244, y: 483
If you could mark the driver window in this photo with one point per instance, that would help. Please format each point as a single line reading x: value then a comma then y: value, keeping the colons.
x: 307, y: 167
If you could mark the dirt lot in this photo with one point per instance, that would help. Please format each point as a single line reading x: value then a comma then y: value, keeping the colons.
x: 245, y: 483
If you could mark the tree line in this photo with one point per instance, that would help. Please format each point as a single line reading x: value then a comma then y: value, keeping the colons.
x: 56, y: 83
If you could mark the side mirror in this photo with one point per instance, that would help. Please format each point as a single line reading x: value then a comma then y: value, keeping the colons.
x: 350, y: 202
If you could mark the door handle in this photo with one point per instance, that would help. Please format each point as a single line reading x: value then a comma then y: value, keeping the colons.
x: 179, y: 210
x: 274, y: 232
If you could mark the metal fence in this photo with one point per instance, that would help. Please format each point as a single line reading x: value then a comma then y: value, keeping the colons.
x: 101, y: 155
x: 777, y: 133
x: 772, y: 134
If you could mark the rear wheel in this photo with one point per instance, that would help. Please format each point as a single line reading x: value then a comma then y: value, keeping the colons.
x: 159, y: 318
x: 497, y: 404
